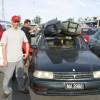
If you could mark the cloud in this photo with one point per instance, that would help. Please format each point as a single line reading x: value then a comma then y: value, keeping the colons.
x: 82, y: 3
x: 49, y: 9
x: 89, y: 3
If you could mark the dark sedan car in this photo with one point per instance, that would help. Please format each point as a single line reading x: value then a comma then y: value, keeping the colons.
x: 95, y: 43
x: 64, y: 66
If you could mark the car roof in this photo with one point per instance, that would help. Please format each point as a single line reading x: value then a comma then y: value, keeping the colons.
x: 5, y: 24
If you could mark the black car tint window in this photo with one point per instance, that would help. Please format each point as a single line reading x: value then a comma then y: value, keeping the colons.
x: 61, y: 42
x: 75, y: 42
x: 80, y: 43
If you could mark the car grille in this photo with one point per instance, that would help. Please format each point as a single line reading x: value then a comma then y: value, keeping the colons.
x: 72, y: 75
x: 72, y: 93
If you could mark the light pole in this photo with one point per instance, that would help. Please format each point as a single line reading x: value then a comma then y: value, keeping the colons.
x: 3, y: 15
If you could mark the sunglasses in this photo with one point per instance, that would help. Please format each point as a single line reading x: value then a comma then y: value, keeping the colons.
x: 16, y: 21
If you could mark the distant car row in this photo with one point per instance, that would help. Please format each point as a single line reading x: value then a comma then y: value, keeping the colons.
x: 87, y: 32
x: 92, y: 37
x: 5, y: 25
x: 94, y: 43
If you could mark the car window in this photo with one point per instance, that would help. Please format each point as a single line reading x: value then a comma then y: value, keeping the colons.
x: 80, y: 43
x: 4, y: 28
x: 67, y: 42
x: 88, y: 32
x: 8, y: 26
x: 5, y: 25
x: 59, y: 42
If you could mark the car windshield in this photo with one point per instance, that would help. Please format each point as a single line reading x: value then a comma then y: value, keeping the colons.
x: 87, y: 31
x: 68, y: 42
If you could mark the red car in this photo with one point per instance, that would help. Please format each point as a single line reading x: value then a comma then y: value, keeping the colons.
x: 1, y: 31
x: 87, y: 32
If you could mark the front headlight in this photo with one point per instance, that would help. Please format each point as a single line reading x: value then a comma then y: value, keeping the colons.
x: 43, y: 74
x: 96, y: 74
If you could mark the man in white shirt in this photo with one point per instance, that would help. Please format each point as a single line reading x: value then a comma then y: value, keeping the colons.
x: 12, y: 41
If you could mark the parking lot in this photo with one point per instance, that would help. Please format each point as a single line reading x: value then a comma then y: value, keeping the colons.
x: 31, y: 96
x: 18, y: 96
x: 57, y: 42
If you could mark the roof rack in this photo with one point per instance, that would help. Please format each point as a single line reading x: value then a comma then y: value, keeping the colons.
x: 61, y: 29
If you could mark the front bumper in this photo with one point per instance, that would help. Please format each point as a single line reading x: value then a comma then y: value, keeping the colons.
x: 47, y: 87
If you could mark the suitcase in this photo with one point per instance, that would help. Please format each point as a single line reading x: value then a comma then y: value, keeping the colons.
x: 70, y: 28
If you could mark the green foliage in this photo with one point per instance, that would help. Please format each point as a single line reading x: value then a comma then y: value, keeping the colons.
x: 70, y: 19
x: 37, y: 20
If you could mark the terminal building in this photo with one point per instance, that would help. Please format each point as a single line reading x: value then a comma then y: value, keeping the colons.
x: 90, y: 21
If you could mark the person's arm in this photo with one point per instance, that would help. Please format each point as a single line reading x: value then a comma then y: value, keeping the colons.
x: 31, y: 30
x: 25, y: 40
x: 27, y: 50
x: 4, y: 48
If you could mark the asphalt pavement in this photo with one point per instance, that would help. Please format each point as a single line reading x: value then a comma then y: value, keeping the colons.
x: 31, y: 96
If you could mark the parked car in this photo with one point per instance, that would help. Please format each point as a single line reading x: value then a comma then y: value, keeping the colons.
x: 5, y: 25
x: 1, y: 31
x: 64, y: 66
x: 95, y: 43
x: 86, y: 33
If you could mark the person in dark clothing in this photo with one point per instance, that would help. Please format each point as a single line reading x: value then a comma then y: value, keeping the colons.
x: 27, y: 30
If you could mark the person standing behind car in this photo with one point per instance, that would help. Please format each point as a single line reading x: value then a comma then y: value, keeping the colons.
x: 12, y: 40
x: 28, y: 30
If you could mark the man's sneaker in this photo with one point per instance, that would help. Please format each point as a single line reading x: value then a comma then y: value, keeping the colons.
x: 5, y: 95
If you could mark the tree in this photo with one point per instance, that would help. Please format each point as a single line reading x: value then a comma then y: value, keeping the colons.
x: 37, y: 20
x: 70, y: 19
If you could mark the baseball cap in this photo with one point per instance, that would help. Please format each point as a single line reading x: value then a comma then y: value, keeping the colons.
x: 15, y: 19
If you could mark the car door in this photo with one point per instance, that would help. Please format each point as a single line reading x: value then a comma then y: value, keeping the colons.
x: 97, y: 43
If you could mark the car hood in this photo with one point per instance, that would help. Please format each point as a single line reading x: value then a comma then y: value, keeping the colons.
x: 67, y: 60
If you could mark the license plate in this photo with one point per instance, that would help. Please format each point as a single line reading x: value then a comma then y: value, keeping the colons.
x: 74, y: 86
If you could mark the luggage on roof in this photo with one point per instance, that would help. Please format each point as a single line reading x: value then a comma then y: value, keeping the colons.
x: 55, y: 27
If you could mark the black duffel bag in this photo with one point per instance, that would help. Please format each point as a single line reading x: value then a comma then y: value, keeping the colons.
x: 53, y: 27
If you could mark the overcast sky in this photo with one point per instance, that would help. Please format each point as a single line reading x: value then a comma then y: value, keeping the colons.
x: 49, y: 9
